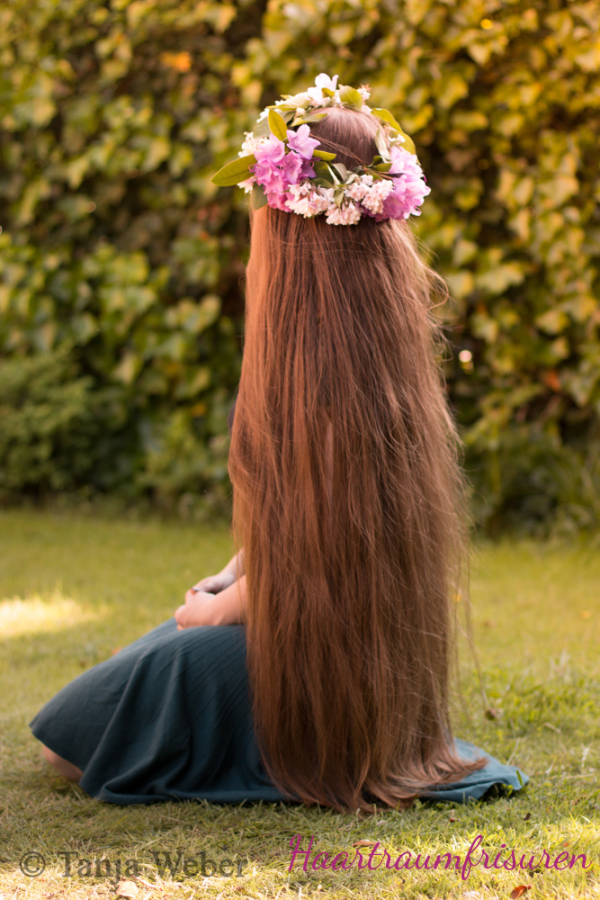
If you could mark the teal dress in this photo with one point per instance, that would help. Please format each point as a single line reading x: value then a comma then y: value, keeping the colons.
x: 169, y: 718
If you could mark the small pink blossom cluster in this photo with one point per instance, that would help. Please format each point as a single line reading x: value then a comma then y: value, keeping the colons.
x: 275, y: 170
x: 409, y: 188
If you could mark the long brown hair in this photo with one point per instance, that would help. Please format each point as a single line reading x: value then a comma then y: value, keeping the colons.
x: 349, y: 611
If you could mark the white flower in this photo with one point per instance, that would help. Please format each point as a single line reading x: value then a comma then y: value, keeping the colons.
x: 375, y: 195
x: 328, y: 193
x: 358, y: 188
x: 309, y: 201
x: 370, y: 193
x: 317, y: 97
x: 251, y: 143
x: 347, y: 214
x: 281, y: 102
x: 306, y: 200
x: 307, y: 206
x: 355, y: 191
x: 248, y: 184
x: 300, y: 100
x: 324, y: 81
x: 364, y: 93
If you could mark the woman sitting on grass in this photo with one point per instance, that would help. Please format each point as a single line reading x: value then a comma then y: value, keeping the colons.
x: 315, y: 666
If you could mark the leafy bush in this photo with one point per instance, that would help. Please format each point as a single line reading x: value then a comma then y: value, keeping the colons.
x: 113, y: 117
x: 49, y: 425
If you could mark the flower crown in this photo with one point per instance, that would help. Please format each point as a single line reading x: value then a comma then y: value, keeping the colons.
x: 279, y: 163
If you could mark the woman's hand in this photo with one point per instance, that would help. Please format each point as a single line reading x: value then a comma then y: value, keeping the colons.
x: 228, y: 607
x: 200, y: 608
x: 213, y: 584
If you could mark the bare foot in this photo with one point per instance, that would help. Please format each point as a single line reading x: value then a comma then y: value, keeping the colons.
x: 65, y: 768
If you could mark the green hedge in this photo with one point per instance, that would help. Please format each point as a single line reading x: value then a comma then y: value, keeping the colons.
x: 121, y: 263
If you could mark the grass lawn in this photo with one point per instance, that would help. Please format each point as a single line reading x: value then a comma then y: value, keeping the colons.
x: 74, y: 589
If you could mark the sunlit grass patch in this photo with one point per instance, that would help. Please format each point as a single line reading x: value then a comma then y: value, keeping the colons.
x: 37, y: 614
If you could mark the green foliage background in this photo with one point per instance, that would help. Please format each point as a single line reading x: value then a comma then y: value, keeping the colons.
x: 120, y: 264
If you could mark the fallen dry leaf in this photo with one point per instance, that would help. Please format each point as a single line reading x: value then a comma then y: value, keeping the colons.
x: 526, y: 817
x: 127, y: 889
x: 451, y: 819
x: 492, y: 713
x: 115, y: 651
x: 586, y: 614
x: 364, y: 843
x: 519, y: 891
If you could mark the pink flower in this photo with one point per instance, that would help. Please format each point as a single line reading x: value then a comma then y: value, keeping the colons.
x: 275, y: 170
x: 273, y: 150
x: 266, y: 170
x: 269, y: 176
x: 400, y: 160
x: 408, y: 195
x: 291, y: 167
x: 307, y: 170
x: 409, y: 188
x: 277, y: 199
x: 301, y: 142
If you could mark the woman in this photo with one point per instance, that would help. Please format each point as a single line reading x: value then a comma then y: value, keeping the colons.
x: 315, y: 666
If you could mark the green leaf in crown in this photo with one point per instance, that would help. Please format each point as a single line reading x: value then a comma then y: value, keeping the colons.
x: 277, y: 125
x: 349, y: 96
x: 235, y: 171
x: 384, y: 116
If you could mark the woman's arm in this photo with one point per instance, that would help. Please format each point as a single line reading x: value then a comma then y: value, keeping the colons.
x: 228, y: 607
x: 236, y: 564
x: 215, y: 584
